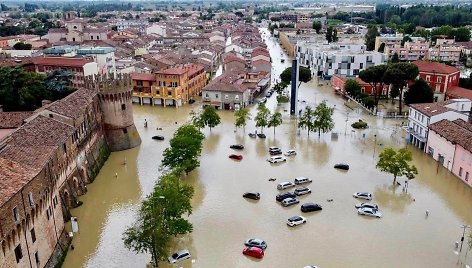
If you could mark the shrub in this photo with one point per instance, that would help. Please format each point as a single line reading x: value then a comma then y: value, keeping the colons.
x: 359, y: 125
x: 282, y: 99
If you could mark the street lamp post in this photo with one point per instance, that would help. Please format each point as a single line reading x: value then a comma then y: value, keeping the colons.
x: 464, y: 226
x: 375, y: 144
x: 345, y: 128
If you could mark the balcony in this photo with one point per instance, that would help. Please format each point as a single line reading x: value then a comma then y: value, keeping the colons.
x: 417, y: 135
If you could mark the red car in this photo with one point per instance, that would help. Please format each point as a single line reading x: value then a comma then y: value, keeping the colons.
x: 236, y: 156
x: 254, y: 252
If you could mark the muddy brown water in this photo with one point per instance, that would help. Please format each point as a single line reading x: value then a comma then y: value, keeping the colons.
x: 223, y: 220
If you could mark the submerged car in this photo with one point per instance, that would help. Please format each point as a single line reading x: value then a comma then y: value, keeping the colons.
x: 261, y: 135
x: 236, y: 156
x: 363, y: 195
x: 256, y: 242
x: 158, y: 137
x: 301, y: 180
x: 369, y: 212
x: 276, y: 159
x: 252, y: 195
x: 179, y: 256
x: 296, y: 220
x: 285, y: 185
x: 290, y: 153
x: 254, y: 252
x: 289, y: 202
x: 237, y: 146
x: 309, y: 207
x: 275, y: 152
x: 367, y: 205
x: 302, y: 191
x: 284, y: 195
x: 342, y: 166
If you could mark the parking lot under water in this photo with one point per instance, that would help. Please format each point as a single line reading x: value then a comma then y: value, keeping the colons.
x: 223, y: 220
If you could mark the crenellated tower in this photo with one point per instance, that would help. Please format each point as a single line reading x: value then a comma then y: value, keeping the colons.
x: 115, y: 97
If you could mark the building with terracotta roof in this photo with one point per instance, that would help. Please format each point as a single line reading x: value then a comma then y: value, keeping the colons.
x: 171, y: 87
x: 9, y: 121
x: 46, y: 162
x: 338, y: 82
x: 80, y: 67
x: 450, y: 143
x: 77, y: 31
x: 421, y: 115
x: 439, y: 76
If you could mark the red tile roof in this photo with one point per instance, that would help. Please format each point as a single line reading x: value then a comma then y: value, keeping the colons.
x: 74, y: 104
x: 60, y: 61
x: 459, y: 92
x: 143, y: 76
x: 435, y: 67
x: 430, y: 109
x: 457, y: 132
x: 174, y: 71
x: 13, y: 119
x: 13, y: 177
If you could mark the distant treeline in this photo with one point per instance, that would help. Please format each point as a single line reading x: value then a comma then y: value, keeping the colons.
x: 420, y: 15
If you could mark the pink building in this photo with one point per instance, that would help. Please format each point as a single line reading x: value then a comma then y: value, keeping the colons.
x: 450, y: 143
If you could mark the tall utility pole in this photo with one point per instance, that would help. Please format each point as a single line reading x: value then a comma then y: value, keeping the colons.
x: 463, y: 226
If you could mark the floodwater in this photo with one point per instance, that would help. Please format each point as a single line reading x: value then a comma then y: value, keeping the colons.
x: 223, y: 220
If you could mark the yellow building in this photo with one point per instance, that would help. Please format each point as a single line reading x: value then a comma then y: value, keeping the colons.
x: 174, y: 86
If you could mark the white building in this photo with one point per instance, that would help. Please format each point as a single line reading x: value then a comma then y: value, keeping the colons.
x: 103, y: 56
x: 328, y: 60
x: 140, y: 25
x: 421, y: 115
x: 156, y: 29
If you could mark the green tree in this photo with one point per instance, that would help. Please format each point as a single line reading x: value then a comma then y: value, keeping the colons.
x: 397, y: 163
x: 381, y: 48
x: 317, y: 26
x: 462, y: 34
x: 419, y: 92
x: 279, y: 87
x: 242, y: 116
x: 58, y: 83
x: 22, y: 46
x: 185, y: 149
x: 331, y: 34
x: 352, y: 88
x: 304, y: 75
x: 323, y: 118
x: 398, y: 75
x: 372, y: 33
x: 374, y: 77
x: 196, y: 120
x: 160, y: 218
x: 210, y: 117
x: 262, y: 117
x: 306, y: 120
x: 395, y: 58
x: 275, y: 120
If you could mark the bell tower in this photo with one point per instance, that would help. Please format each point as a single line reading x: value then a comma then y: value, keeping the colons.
x: 115, y: 98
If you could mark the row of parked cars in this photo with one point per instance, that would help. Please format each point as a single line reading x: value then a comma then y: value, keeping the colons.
x: 276, y: 156
x: 367, y: 209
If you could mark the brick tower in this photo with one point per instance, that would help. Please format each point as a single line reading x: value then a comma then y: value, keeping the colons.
x: 115, y: 98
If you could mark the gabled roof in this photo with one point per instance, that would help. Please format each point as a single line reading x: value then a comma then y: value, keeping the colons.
x: 143, y: 76
x: 457, y: 132
x: 13, y: 119
x: 73, y: 105
x: 59, y: 61
x: 435, y: 67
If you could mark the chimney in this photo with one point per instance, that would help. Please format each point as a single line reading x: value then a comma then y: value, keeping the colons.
x: 45, y: 103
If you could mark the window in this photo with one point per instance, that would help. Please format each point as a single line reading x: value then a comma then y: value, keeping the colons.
x: 216, y: 95
x: 16, y: 215
x: 51, y: 115
x: 48, y: 213
x: 123, y: 106
x: 33, y: 235
x: 98, y: 37
x: 428, y: 78
x: 430, y: 151
x: 467, y: 176
x: 36, y: 257
x: 30, y: 198
x: 439, y: 79
x: 460, y: 172
x: 18, y: 253
x: 125, y: 130
x: 169, y: 93
x: 91, y: 37
x: 54, y: 201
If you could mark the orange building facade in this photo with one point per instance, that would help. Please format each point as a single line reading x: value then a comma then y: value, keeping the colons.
x: 170, y: 87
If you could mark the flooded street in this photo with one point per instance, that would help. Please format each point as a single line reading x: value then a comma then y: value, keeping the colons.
x: 223, y: 220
